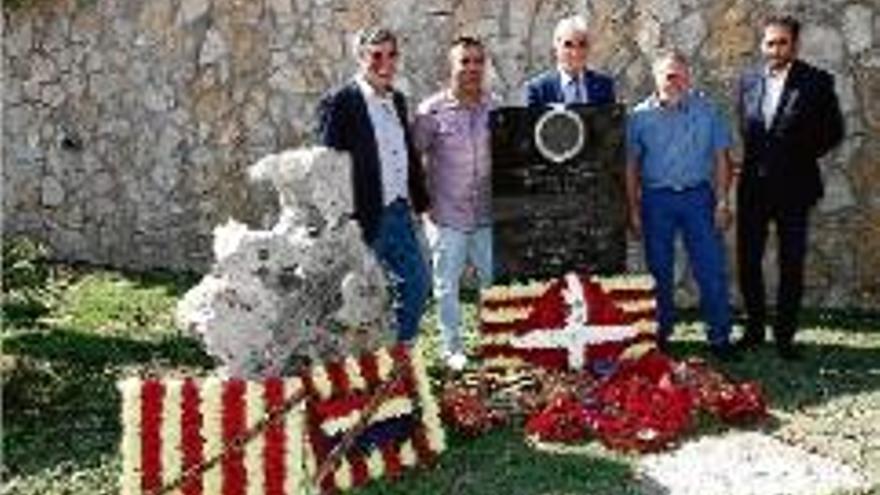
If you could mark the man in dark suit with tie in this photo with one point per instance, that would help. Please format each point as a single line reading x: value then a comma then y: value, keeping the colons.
x: 367, y: 118
x: 571, y: 81
x: 789, y: 117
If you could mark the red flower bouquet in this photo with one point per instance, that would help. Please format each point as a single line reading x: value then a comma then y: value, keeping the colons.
x: 563, y: 420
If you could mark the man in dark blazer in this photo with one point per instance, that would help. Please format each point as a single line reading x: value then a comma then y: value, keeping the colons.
x: 367, y: 118
x: 789, y: 117
x: 571, y: 81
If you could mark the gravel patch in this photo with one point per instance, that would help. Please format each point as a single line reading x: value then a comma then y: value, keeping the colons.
x: 845, y: 428
x: 746, y: 463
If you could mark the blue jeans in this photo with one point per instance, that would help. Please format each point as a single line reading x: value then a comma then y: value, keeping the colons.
x: 451, y: 251
x: 401, y: 256
x: 665, y: 213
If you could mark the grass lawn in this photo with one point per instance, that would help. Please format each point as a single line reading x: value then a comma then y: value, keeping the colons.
x: 61, y: 407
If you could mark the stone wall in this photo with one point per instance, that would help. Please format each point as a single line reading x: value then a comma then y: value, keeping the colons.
x: 127, y: 125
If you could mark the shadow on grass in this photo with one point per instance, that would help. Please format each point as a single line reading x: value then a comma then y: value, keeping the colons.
x: 174, y: 283
x: 57, y: 414
x: 94, y: 350
x: 856, y: 320
x: 60, y: 402
x: 21, y: 313
x: 502, y: 463
x: 826, y: 371
x: 851, y: 319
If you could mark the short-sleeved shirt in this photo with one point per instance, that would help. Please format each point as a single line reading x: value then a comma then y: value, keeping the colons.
x: 675, y: 146
x: 455, y: 141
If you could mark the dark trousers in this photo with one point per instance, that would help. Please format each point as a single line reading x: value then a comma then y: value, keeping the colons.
x: 755, y: 213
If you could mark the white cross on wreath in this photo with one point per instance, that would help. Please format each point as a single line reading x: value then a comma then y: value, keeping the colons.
x: 577, y: 332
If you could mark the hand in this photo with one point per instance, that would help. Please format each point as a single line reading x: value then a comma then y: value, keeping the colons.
x: 723, y: 216
x: 429, y: 228
x: 635, y: 221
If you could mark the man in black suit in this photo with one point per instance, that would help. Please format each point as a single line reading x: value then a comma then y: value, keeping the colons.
x: 367, y: 118
x: 571, y: 81
x: 789, y: 117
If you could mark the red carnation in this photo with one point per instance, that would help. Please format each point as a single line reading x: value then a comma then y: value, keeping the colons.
x: 465, y: 411
x: 563, y: 420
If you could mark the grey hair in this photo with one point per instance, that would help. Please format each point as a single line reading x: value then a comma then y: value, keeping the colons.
x: 574, y: 23
x: 372, y: 36
x: 669, y: 55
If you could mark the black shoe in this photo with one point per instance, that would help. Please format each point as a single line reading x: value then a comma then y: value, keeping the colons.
x: 725, y: 353
x: 663, y: 345
x: 787, y: 351
x: 750, y: 341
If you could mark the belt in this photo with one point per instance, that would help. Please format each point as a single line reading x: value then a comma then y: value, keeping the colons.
x: 399, y: 202
x: 683, y: 188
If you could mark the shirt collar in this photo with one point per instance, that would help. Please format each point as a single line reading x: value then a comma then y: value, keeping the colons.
x: 654, y: 101
x: 450, y: 101
x: 778, y: 74
x: 565, y: 78
x: 369, y: 91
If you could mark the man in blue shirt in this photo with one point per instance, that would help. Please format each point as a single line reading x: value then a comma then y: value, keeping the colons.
x: 677, y: 178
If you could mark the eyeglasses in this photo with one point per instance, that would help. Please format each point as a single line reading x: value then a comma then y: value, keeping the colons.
x: 379, y: 55
x: 574, y: 44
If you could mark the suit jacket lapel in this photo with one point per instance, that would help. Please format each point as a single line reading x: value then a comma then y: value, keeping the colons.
x: 359, y: 106
x: 400, y: 108
x: 556, y: 87
x: 753, y: 95
x: 790, y: 94
x: 590, y: 89
x: 365, y: 128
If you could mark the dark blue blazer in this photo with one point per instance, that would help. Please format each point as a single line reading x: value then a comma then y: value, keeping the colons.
x: 546, y: 88
x: 344, y: 124
x: 782, y: 159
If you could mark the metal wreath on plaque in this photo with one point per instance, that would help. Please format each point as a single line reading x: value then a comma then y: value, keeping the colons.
x: 559, y: 134
x: 558, y: 197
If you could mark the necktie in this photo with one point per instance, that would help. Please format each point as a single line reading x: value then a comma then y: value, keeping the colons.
x: 578, y: 91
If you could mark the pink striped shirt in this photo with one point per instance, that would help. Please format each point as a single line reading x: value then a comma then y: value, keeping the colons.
x: 455, y: 141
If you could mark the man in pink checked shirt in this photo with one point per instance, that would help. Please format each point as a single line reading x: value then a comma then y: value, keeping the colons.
x: 452, y: 133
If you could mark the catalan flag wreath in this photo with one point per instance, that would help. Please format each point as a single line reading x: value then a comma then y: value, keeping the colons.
x: 334, y: 427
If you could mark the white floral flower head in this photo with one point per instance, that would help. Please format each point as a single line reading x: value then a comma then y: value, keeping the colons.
x: 306, y: 289
x: 307, y: 179
x: 228, y: 237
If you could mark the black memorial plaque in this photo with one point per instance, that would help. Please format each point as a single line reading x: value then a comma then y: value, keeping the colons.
x: 558, y: 195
